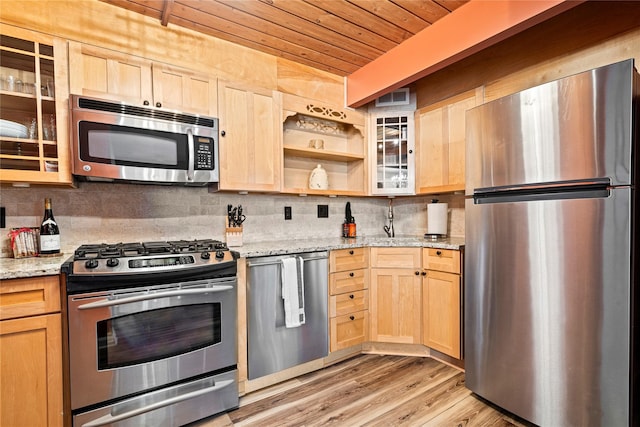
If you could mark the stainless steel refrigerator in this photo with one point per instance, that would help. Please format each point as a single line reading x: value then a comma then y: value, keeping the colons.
x: 551, y: 252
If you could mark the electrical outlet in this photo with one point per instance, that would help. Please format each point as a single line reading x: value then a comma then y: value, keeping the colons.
x: 3, y: 217
x: 323, y: 211
x: 287, y: 212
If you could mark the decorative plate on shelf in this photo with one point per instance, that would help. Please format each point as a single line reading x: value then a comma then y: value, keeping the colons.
x: 12, y: 129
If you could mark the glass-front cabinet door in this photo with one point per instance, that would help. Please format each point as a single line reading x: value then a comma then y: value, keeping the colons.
x: 33, y: 116
x: 393, y: 136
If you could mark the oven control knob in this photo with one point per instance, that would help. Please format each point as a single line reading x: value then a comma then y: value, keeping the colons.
x: 219, y: 254
x: 112, y: 262
x: 91, y: 263
x: 205, y: 255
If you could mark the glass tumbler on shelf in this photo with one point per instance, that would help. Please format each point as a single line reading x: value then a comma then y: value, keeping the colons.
x: 50, y: 88
x: 52, y: 127
x: 32, y: 129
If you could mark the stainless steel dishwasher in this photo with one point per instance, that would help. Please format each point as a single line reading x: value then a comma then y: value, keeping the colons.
x: 272, y: 346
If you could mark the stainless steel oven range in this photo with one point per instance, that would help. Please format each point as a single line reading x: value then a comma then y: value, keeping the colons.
x: 151, y: 332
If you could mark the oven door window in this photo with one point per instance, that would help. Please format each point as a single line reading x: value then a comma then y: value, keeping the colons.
x: 128, y: 146
x: 157, y: 334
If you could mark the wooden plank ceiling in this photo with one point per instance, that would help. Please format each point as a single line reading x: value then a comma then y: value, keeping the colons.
x: 338, y: 36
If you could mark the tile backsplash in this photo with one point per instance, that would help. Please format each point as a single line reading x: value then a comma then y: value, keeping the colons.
x: 111, y: 213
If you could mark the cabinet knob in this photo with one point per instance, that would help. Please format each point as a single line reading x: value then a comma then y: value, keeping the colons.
x: 145, y: 102
x: 424, y: 273
x: 417, y: 273
x: 351, y: 274
x: 158, y: 104
x: 352, y: 318
x: 410, y: 151
x: 350, y: 252
x: 222, y: 133
x: 438, y: 253
x: 351, y: 296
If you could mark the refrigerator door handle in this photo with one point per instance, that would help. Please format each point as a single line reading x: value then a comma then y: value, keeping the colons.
x: 562, y: 191
x: 556, y: 186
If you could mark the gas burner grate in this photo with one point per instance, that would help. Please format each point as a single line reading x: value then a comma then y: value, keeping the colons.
x: 123, y: 250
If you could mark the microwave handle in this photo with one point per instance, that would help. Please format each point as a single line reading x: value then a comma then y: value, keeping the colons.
x: 191, y: 169
x: 147, y: 296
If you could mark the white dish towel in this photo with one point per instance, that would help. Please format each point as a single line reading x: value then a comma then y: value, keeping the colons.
x: 293, y: 291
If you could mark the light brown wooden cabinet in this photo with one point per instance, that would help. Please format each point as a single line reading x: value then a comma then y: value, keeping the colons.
x: 440, y: 143
x: 396, y: 295
x: 34, y: 98
x: 348, y: 297
x: 106, y: 74
x: 30, y: 352
x: 343, y: 155
x: 250, y: 143
x: 442, y: 286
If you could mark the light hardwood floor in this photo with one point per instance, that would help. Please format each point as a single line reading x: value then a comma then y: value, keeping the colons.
x: 368, y: 390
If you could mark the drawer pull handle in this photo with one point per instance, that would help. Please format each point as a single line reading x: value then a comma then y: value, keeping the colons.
x: 351, y: 274
x: 438, y: 253
x: 351, y: 296
x: 350, y: 252
x: 352, y: 318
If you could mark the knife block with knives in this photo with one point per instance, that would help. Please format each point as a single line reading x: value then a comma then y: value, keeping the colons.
x: 233, y: 225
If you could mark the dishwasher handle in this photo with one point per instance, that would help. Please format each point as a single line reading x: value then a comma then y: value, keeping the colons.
x: 275, y: 260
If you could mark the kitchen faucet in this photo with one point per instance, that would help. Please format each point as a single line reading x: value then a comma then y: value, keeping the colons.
x: 389, y: 228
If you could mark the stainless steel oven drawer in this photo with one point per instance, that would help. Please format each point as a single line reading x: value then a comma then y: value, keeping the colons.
x: 172, y: 406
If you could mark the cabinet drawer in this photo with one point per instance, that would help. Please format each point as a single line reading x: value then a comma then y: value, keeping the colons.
x: 349, y: 330
x: 350, y: 302
x: 395, y: 257
x: 349, y: 259
x: 348, y: 281
x: 447, y: 260
x: 29, y: 296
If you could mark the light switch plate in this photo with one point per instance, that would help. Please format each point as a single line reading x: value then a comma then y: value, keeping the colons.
x: 287, y: 212
x: 323, y: 211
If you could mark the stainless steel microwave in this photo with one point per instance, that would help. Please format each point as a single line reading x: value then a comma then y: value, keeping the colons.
x: 112, y: 141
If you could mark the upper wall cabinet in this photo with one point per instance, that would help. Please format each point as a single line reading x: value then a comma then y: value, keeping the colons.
x: 250, y: 144
x: 106, y: 74
x: 33, y: 108
x: 316, y: 134
x: 440, y: 143
x: 392, y: 143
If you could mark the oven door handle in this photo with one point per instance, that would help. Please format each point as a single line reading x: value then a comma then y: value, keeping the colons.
x: 166, y: 294
x: 110, y: 419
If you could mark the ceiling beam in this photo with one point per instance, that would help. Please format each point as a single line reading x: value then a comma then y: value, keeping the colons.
x: 166, y: 12
x: 472, y: 27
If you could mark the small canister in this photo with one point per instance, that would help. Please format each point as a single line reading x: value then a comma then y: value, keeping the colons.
x: 352, y: 230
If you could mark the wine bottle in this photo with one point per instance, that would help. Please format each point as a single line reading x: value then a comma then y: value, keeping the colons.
x: 49, y: 231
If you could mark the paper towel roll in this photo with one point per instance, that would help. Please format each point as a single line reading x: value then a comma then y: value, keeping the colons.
x: 437, y: 218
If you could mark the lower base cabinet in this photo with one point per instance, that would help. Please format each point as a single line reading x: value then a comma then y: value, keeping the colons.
x: 349, y: 330
x: 30, y: 352
x: 442, y: 303
x: 348, y: 298
x: 395, y: 289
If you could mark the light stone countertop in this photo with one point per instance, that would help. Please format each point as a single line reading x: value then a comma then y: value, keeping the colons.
x: 15, y: 268
x: 11, y: 268
x: 284, y: 247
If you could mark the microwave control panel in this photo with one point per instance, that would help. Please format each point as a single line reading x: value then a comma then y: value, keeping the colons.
x: 204, y: 153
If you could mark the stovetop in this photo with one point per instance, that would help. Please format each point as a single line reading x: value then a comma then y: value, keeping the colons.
x: 137, y: 259
x: 122, y: 250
